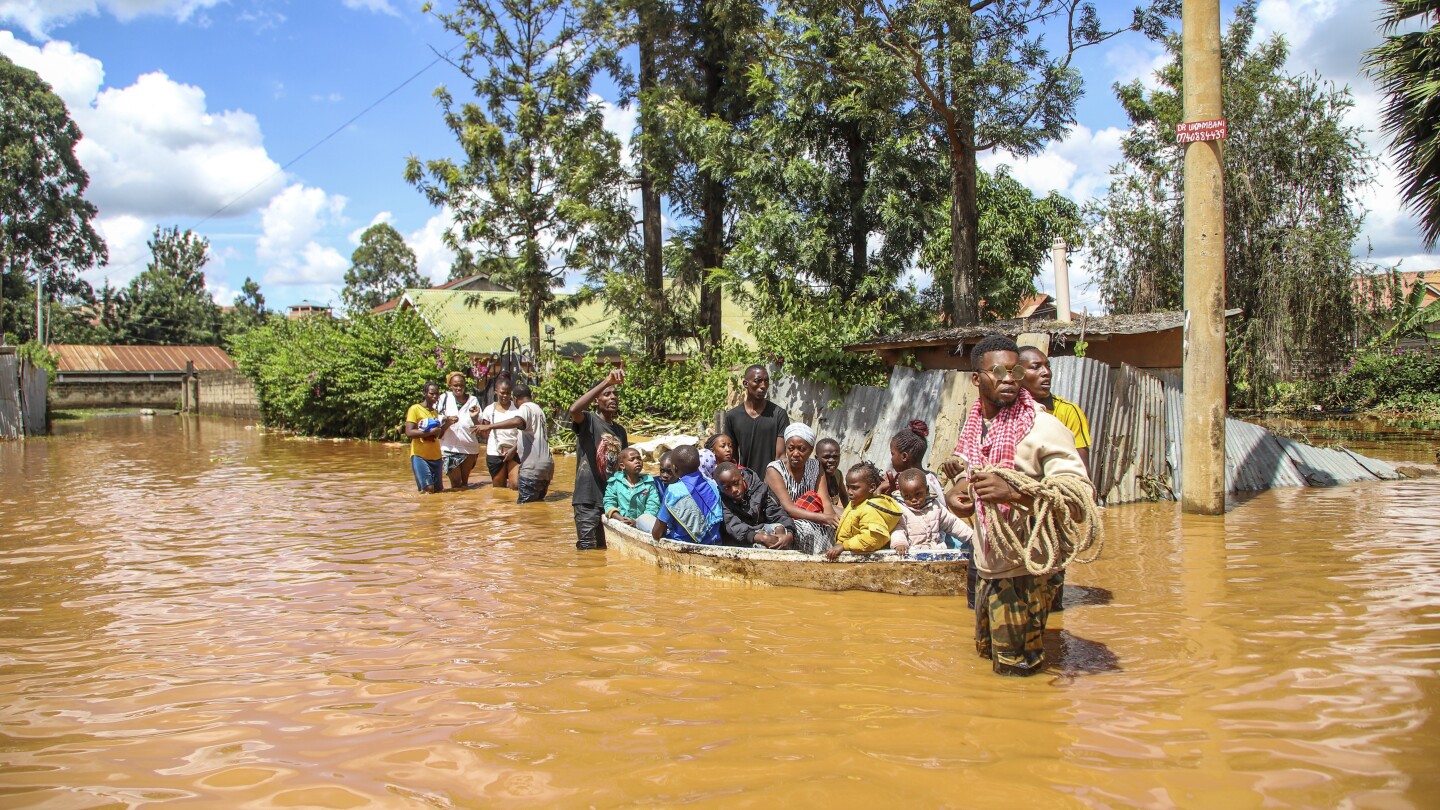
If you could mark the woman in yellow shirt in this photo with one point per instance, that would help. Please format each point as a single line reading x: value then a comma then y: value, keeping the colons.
x: 423, y: 425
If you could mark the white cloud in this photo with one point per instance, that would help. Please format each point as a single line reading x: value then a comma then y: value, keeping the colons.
x: 292, y: 219
x: 288, y: 244
x: 381, y: 6
x: 432, y: 257
x: 153, y: 149
x: 39, y: 16
x: 126, y: 237
x: 1137, y: 59
x: 1077, y: 167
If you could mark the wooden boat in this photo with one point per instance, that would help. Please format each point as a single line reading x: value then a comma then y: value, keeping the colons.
x: 921, y: 574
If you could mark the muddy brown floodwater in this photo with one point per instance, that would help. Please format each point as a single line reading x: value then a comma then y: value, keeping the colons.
x: 196, y: 614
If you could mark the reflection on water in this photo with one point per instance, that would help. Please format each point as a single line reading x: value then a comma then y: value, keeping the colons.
x: 1397, y: 440
x: 193, y: 611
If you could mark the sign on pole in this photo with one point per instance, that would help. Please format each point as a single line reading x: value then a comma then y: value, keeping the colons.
x: 1193, y: 131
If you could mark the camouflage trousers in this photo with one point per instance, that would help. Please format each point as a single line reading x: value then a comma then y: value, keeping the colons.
x: 1010, y: 619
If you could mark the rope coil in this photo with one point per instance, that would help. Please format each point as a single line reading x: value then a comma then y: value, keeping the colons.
x: 1056, y: 539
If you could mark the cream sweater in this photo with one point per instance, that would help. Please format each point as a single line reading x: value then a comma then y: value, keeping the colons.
x: 1046, y: 451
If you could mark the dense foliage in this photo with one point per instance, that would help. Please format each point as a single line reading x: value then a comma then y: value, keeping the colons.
x: 1293, y: 174
x: 45, y: 220
x: 356, y: 377
x: 688, y: 392
x: 540, y: 183
x: 1395, y: 380
x: 1407, y: 68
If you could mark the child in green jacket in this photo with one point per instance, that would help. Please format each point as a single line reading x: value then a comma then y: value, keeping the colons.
x: 631, y: 493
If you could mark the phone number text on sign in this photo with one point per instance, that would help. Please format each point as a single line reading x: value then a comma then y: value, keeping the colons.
x: 1192, y: 131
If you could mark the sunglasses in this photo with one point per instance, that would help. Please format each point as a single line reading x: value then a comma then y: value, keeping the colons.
x: 1015, y: 372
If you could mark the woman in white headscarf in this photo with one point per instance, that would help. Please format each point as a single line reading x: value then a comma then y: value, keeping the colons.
x: 802, y: 492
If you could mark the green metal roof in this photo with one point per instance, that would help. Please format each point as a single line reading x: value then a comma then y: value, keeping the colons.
x: 461, y: 317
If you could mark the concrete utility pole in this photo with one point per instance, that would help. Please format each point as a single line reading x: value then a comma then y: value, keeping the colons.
x: 1203, y: 460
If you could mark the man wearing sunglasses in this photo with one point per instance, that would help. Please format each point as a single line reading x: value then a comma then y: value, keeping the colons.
x: 1005, y: 428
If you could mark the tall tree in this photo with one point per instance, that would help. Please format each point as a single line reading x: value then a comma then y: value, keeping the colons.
x: 984, y: 74
x: 381, y: 268
x: 248, y: 310
x: 1407, y: 67
x: 708, y: 112
x: 1293, y: 172
x: 167, y: 304
x: 44, y: 216
x: 541, y: 179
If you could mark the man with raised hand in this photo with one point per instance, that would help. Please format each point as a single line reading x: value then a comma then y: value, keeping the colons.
x: 1004, y: 430
x: 598, y: 442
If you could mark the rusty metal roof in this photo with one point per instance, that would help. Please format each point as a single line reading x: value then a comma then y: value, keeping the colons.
x: 80, y: 358
x: 1132, y: 324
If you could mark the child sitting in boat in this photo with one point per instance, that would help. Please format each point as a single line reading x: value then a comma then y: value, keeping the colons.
x: 723, y: 447
x: 752, y: 515
x: 907, y: 451
x: 866, y: 525
x: 630, y: 493
x: 690, y: 512
x: 924, y: 520
x: 827, y: 452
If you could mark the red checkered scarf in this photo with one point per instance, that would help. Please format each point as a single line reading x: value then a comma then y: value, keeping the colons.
x: 1006, y: 430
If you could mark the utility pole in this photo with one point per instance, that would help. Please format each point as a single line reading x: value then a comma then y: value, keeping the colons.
x: 1203, y: 453
x: 39, y: 304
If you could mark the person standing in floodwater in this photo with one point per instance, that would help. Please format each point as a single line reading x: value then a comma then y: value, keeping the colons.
x: 537, y: 465
x: 423, y: 426
x: 1037, y: 381
x: 1004, y: 429
x: 757, y: 425
x: 598, y: 442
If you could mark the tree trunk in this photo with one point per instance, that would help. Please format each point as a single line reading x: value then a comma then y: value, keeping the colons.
x: 712, y: 255
x: 964, y: 225
x: 650, y: 231
x: 711, y: 250
x: 859, y: 158
x: 532, y: 315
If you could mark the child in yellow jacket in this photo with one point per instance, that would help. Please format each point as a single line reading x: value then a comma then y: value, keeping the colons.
x: 869, y: 519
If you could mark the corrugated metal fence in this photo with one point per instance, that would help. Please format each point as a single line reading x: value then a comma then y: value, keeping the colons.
x: 22, y: 396
x: 1135, y: 418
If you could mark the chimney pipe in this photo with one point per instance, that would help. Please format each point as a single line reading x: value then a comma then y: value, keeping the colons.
x: 1062, y: 281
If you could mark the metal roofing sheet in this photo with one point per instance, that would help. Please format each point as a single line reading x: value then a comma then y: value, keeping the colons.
x: 1090, y: 385
x: 853, y: 422
x: 10, y: 420
x: 1377, y: 468
x: 1172, y: 386
x: 910, y: 395
x: 1255, y: 460
x: 1323, y: 466
x: 1134, y: 467
x: 81, y: 358
x: 803, y: 400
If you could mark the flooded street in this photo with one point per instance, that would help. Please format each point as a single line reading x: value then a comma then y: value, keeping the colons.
x: 196, y: 614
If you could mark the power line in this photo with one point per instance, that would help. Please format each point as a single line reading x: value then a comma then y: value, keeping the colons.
x: 356, y: 117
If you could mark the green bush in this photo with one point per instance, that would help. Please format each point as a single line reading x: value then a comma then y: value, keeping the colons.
x: 1388, y: 380
x: 688, y: 391
x: 352, y: 378
x: 39, y: 356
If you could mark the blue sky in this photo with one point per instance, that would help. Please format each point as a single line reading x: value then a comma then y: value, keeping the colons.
x: 190, y: 105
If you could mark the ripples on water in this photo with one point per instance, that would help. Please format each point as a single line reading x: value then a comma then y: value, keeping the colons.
x: 196, y: 613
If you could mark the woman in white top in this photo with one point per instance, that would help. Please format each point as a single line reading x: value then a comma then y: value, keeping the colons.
x: 500, y: 445
x: 458, y: 446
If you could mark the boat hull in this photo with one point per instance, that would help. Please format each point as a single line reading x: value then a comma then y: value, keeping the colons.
x: 924, y: 574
